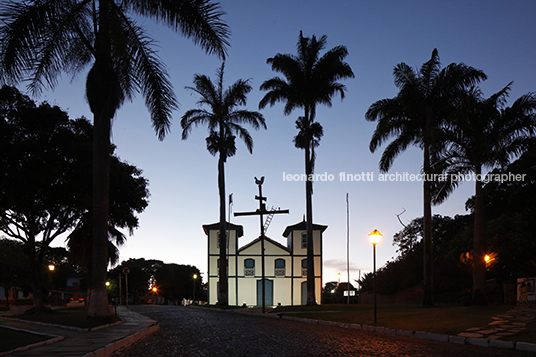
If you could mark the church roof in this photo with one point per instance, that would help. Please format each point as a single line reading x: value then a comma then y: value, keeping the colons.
x: 216, y: 226
x: 266, y: 239
x: 302, y: 226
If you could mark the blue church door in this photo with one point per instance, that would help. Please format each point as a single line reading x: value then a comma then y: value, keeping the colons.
x: 269, y: 293
x: 304, y: 293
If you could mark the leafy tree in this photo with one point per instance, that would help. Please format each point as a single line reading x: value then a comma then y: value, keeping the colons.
x: 46, y: 180
x: 485, y: 133
x: 224, y: 120
x: 426, y: 98
x: 310, y: 80
x: 40, y: 40
x: 510, y: 217
x: 13, y: 263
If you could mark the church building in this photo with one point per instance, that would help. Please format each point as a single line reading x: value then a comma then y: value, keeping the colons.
x: 285, y: 266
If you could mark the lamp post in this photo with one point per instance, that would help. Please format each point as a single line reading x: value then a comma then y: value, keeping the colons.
x: 51, y: 268
x: 374, y: 239
x: 193, y: 299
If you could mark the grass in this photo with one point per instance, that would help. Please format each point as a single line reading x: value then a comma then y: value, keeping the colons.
x: 443, y: 319
x: 69, y: 316
x: 11, y: 339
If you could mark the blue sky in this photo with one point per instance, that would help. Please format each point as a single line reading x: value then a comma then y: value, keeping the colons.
x: 494, y: 36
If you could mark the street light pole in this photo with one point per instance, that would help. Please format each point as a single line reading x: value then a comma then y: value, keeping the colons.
x: 374, y: 239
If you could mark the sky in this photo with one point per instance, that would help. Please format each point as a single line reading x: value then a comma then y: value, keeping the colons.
x: 494, y: 36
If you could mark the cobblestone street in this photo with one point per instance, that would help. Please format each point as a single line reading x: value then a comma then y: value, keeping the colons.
x: 209, y: 332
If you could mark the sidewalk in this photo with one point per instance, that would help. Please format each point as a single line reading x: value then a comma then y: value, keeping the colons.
x: 72, y: 342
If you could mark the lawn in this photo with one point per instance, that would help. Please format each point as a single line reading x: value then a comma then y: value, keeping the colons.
x: 68, y: 316
x: 11, y: 339
x: 443, y: 319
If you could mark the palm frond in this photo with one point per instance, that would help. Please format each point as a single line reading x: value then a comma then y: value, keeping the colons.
x: 199, y: 20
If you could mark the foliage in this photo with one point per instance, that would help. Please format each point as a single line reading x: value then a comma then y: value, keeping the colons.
x: 45, y: 183
x: 451, y: 277
x: 510, y: 217
x: 174, y: 282
x: 41, y: 40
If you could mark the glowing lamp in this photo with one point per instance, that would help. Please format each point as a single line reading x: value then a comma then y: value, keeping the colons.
x: 375, y: 236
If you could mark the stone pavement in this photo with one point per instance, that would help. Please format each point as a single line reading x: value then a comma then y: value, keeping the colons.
x: 510, y: 323
x: 72, y: 342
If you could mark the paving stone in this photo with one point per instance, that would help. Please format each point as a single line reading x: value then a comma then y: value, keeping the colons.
x: 470, y: 335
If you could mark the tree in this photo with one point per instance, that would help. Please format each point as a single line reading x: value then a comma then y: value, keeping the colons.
x: 426, y: 98
x: 224, y: 121
x: 310, y: 80
x: 13, y: 263
x: 484, y: 133
x: 42, y: 39
x: 46, y: 179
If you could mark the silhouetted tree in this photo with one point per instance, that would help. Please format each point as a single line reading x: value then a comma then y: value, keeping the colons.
x: 484, y: 133
x: 40, y: 40
x: 310, y: 80
x: 224, y: 120
x: 426, y: 98
x: 45, y: 182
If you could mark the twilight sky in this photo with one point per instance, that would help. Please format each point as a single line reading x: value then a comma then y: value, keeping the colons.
x: 492, y: 35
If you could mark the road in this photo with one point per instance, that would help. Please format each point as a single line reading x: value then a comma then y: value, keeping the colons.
x: 194, y: 332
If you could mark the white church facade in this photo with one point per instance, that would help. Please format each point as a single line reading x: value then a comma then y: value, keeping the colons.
x: 285, y: 266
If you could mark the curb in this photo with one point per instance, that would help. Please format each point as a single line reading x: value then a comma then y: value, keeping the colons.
x: 484, y: 342
x: 65, y: 327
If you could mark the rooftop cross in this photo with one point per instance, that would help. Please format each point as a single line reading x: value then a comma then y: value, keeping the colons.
x: 261, y: 211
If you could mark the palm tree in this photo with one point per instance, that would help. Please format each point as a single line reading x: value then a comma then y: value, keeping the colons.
x: 310, y: 79
x: 426, y: 98
x: 484, y: 133
x: 40, y: 40
x: 224, y: 121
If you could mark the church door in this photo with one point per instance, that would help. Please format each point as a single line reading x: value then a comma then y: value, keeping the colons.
x: 269, y: 294
x: 304, y: 293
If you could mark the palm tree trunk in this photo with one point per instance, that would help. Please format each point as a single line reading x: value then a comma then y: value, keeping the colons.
x: 224, y: 283
x: 311, y: 299
x: 428, y: 285
x: 98, y: 305
x: 479, y: 246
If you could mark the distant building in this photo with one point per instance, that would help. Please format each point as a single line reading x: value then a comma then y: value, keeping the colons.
x: 285, y: 266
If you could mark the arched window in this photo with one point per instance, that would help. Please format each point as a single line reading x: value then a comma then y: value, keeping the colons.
x: 304, y: 267
x: 249, y: 267
x: 279, y: 267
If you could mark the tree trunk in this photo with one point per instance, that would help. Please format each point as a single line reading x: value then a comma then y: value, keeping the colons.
x: 428, y: 285
x: 223, y: 292
x: 311, y: 298
x: 98, y: 304
x: 479, y: 246
x: 6, y: 293
x: 103, y: 93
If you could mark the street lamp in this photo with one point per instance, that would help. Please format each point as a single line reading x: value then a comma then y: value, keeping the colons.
x: 195, y: 278
x: 374, y: 239
x: 51, y: 267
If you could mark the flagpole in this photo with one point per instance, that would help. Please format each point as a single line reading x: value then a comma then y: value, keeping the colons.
x: 348, y: 247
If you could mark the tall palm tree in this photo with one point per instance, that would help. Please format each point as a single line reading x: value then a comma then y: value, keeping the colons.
x: 484, y: 133
x: 40, y: 40
x: 310, y: 79
x: 224, y: 121
x: 426, y: 98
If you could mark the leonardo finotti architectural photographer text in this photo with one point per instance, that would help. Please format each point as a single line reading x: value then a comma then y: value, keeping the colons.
x: 403, y: 177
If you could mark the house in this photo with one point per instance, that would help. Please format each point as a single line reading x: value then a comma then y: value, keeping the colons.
x: 285, y: 266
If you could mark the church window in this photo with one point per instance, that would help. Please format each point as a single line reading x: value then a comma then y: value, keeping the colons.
x: 249, y: 267
x: 279, y: 267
